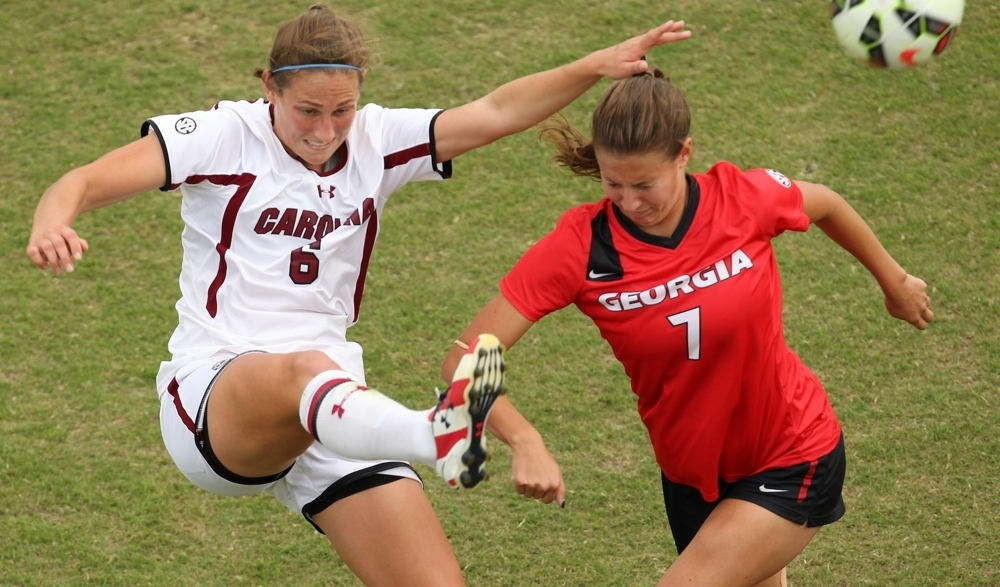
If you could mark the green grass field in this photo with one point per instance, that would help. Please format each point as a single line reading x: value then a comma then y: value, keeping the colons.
x: 88, y: 496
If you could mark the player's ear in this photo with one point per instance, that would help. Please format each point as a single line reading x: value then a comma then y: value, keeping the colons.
x: 687, y: 149
x: 267, y: 81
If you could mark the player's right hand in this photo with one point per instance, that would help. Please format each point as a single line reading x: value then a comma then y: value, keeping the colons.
x: 909, y: 301
x: 536, y: 474
x: 56, y: 247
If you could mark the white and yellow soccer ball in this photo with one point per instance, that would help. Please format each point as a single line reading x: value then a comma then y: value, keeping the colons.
x: 896, y: 33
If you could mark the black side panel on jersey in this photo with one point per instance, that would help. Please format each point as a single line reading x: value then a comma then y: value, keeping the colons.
x: 604, y: 263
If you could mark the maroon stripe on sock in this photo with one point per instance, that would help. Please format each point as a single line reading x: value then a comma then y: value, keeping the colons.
x: 174, y: 390
x: 317, y: 399
x: 807, y: 481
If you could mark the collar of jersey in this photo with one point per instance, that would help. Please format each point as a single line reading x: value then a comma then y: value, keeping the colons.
x: 672, y: 241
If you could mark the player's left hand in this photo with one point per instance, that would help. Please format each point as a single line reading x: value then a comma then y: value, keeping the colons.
x: 626, y: 58
x: 909, y: 301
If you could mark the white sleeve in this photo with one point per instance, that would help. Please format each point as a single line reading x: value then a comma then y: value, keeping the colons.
x: 406, y: 140
x: 193, y: 143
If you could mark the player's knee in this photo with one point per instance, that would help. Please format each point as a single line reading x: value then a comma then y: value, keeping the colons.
x: 305, y: 365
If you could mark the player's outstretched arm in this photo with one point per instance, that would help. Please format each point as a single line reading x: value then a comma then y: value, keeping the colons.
x: 524, y: 102
x: 534, y: 471
x: 125, y: 172
x: 905, y: 295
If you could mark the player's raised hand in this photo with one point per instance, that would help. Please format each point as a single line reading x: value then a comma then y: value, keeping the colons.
x: 56, y: 247
x: 626, y: 58
x: 909, y: 301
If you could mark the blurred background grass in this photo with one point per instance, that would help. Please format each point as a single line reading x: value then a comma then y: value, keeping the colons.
x: 91, y: 498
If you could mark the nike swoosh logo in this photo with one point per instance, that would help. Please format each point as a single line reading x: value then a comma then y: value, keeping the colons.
x: 593, y: 275
x: 764, y: 489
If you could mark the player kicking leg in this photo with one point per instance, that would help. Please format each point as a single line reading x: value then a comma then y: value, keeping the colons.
x: 361, y: 423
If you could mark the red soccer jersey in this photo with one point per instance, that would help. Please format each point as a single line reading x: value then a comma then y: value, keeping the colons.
x: 695, y: 319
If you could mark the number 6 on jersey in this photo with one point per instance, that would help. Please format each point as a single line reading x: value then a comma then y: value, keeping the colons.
x: 303, y: 268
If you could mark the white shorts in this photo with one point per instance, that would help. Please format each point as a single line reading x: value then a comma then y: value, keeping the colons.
x: 317, y: 479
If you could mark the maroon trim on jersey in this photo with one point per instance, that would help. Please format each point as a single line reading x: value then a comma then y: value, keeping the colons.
x: 173, y: 388
x: 341, y: 160
x: 427, y: 149
x: 243, y: 183
x: 406, y: 155
x: 366, y: 256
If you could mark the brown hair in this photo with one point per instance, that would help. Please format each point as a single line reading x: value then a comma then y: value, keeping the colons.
x: 636, y: 115
x: 316, y: 36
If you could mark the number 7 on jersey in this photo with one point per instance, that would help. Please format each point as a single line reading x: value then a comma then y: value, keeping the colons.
x: 691, y: 319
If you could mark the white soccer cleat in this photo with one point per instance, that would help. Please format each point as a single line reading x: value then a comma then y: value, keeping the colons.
x: 459, y: 420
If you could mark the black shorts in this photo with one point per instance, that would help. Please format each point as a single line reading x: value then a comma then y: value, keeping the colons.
x: 808, y: 494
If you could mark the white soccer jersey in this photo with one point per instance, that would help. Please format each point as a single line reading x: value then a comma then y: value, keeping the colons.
x: 275, y: 254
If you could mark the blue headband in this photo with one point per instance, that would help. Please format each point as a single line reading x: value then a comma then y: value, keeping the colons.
x: 316, y: 66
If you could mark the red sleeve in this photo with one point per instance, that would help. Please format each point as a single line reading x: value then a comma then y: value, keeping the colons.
x: 549, y: 274
x: 774, y: 200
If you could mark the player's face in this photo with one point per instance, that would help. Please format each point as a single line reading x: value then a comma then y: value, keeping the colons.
x: 648, y: 188
x: 314, y: 114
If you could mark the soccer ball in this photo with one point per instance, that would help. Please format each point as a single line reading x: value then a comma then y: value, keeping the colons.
x: 896, y: 33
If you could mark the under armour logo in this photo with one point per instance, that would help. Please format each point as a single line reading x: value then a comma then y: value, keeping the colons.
x: 443, y: 414
x: 338, y: 408
x: 327, y: 192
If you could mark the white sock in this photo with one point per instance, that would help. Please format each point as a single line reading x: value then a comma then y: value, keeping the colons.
x: 361, y: 423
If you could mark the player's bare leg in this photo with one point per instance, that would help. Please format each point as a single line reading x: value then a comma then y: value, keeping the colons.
x: 740, y: 544
x: 389, y: 536
x: 253, y: 411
